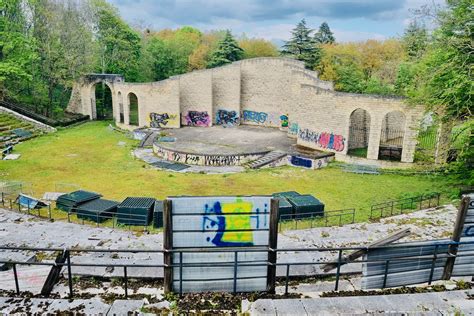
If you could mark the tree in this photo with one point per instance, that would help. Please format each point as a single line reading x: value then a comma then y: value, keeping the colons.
x: 16, y: 48
x: 227, y: 51
x: 301, y: 46
x: 415, y: 40
x: 119, y: 44
x: 256, y: 47
x: 324, y: 35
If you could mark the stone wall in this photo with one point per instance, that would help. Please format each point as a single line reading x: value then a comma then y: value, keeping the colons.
x: 226, y: 95
x: 271, y: 92
x: 195, y: 98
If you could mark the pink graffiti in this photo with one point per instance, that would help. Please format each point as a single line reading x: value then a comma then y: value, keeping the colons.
x: 323, y: 140
x: 331, y: 141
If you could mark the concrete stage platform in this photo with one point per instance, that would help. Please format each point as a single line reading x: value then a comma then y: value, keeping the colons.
x: 249, y: 146
x: 238, y: 140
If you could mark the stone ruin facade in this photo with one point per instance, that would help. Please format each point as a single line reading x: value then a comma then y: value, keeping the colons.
x: 269, y: 92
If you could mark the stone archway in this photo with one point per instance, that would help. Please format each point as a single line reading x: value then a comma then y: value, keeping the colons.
x: 121, y: 117
x: 392, y: 136
x: 359, y: 133
x: 133, y: 112
x: 102, y: 101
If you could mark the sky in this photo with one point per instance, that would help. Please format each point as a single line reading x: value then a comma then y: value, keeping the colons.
x: 350, y: 20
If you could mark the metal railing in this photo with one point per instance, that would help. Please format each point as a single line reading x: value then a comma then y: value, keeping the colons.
x: 397, y: 207
x: 315, y: 219
x: 338, y: 263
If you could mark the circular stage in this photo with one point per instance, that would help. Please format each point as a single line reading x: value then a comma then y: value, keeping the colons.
x: 237, y: 140
x: 219, y: 146
x: 250, y: 146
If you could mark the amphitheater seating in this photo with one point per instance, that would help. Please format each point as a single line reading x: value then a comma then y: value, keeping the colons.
x: 14, y: 130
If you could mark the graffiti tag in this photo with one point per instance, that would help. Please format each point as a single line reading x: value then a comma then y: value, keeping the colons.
x: 323, y: 140
x: 158, y: 120
x: 284, y: 120
x: 231, y: 223
x: 256, y: 117
x: 293, y: 130
x: 224, y: 117
x: 301, y: 162
x: 196, y: 118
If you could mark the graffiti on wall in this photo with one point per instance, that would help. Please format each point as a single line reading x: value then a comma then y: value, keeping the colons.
x: 204, y: 160
x: 323, y: 140
x: 301, y: 162
x: 255, y: 117
x: 158, y: 120
x: 293, y: 129
x: 224, y: 117
x: 284, y: 120
x: 231, y: 223
x: 197, y: 118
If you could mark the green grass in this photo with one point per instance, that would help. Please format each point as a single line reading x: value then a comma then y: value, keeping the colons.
x: 89, y: 156
x: 358, y: 152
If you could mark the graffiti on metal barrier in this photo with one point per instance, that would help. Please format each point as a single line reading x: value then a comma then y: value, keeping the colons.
x: 232, y: 222
x: 224, y: 117
x: 323, y: 140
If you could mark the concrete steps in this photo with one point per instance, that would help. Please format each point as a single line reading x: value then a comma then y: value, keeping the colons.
x: 266, y: 159
x: 149, y: 138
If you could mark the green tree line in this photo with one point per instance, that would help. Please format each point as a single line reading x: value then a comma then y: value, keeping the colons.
x: 45, y: 45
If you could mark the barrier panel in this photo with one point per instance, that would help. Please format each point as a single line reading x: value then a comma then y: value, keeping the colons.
x: 247, y: 224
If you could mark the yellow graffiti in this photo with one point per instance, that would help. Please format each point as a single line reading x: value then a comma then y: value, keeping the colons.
x: 236, y: 221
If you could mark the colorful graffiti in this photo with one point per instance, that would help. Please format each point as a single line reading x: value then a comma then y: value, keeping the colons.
x: 224, y: 117
x: 232, y: 223
x: 159, y: 120
x: 284, y: 120
x: 293, y: 130
x: 197, y: 118
x: 256, y: 117
x: 301, y: 162
x: 323, y: 140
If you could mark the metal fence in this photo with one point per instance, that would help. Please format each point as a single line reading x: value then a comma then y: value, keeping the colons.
x: 339, y: 253
x: 398, y: 207
x: 288, y: 221
x: 315, y: 219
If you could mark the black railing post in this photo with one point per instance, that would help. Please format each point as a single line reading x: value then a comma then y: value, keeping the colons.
x: 235, y: 271
x: 69, y: 274
x: 387, y: 262
x: 287, y: 277
x: 15, y: 275
x: 125, y: 281
x: 338, y: 271
x: 3, y: 199
x: 180, y: 273
x: 433, y: 263
x: 437, y: 199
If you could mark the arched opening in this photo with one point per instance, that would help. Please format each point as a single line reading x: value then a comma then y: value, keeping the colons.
x: 391, y: 136
x: 120, y: 102
x: 133, y: 106
x: 103, y: 101
x: 359, y: 131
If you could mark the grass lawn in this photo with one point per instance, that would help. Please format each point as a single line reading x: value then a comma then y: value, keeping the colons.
x: 90, y: 157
